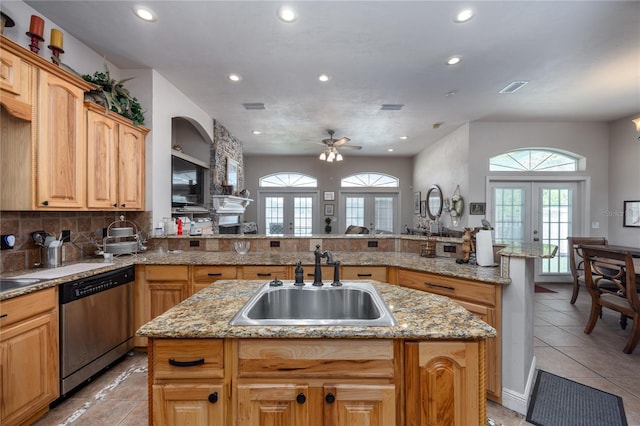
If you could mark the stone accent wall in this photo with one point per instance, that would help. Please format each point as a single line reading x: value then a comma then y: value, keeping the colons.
x: 225, y: 145
x: 86, y: 232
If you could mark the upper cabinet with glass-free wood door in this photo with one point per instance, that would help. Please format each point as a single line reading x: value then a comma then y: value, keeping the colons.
x: 115, y: 161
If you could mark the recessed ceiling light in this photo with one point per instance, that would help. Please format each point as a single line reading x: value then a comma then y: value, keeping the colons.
x: 144, y: 14
x: 234, y: 77
x: 450, y: 93
x: 454, y: 60
x: 287, y: 14
x: 324, y: 78
x: 464, y: 15
x: 256, y: 132
x: 404, y: 137
x: 390, y: 149
x: 513, y: 86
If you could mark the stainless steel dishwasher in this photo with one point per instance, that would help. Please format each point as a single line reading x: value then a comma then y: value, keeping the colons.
x: 96, y: 324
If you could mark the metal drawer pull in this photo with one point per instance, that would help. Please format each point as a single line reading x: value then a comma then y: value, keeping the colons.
x: 365, y: 275
x: 264, y: 274
x: 443, y: 287
x: 216, y: 274
x: 186, y: 363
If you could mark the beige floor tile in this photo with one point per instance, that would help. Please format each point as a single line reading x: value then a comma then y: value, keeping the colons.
x: 139, y: 416
x: 552, y: 360
x: 106, y: 412
x: 556, y: 336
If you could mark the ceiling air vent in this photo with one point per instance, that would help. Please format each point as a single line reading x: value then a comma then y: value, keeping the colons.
x: 391, y: 107
x: 253, y: 105
x: 513, y: 86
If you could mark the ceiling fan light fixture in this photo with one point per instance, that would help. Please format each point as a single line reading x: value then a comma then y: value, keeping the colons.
x: 323, y: 156
x: 339, y: 157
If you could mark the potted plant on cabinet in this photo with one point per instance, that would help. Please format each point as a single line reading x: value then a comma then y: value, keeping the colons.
x: 327, y: 227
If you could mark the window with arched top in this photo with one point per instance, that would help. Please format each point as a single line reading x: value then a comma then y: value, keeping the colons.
x: 370, y: 180
x: 288, y: 180
x: 533, y: 160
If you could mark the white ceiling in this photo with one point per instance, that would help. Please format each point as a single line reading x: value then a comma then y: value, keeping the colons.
x: 582, y: 61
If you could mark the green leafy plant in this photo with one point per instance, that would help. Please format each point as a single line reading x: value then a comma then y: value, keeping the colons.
x: 113, y: 96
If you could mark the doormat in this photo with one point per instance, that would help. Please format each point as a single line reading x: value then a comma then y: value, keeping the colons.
x: 540, y: 289
x: 557, y: 401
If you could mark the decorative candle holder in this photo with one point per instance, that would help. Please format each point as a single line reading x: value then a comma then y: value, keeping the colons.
x: 56, y: 51
x: 35, y: 42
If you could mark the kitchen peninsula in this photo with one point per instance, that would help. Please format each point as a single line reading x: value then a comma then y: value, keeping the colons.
x: 429, y: 369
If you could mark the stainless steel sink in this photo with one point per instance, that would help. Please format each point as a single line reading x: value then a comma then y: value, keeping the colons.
x: 7, y: 284
x: 352, y: 304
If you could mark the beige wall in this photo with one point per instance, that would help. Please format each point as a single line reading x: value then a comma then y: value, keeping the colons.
x: 624, y: 180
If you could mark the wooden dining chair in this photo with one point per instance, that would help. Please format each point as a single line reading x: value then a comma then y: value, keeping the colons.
x: 605, y: 265
x: 576, y: 260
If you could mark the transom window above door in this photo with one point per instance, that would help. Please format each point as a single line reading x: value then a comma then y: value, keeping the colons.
x: 534, y: 160
x: 288, y: 180
x: 370, y: 180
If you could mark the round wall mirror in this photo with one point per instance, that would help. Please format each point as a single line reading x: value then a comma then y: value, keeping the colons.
x: 434, y: 202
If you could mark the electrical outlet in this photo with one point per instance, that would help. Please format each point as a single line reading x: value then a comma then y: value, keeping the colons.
x: 372, y: 244
x: 66, y: 236
x: 194, y: 243
x: 449, y: 249
x: 274, y: 243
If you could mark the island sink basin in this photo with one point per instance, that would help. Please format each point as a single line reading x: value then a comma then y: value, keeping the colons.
x: 352, y: 304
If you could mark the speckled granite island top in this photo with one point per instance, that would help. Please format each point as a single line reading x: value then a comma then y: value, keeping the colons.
x: 420, y: 315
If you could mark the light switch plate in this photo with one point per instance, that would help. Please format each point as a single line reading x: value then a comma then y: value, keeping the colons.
x: 595, y: 225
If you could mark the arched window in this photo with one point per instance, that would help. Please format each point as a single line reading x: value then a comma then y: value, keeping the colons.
x: 370, y: 180
x: 292, y: 180
x: 533, y: 160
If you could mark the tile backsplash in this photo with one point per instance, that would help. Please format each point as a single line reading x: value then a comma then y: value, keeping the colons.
x: 86, y: 230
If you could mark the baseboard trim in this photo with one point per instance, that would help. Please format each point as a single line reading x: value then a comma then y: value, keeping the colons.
x: 517, y: 401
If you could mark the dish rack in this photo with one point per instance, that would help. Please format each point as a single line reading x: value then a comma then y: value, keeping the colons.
x: 122, y: 238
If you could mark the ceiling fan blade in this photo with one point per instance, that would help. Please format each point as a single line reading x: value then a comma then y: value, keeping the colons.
x: 341, y: 141
x: 350, y: 147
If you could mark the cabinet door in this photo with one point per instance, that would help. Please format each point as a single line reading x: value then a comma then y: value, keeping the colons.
x: 443, y: 382
x: 102, y: 133
x: 130, y: 168
x: 359, y: 405
x: 188, y: 404
x: 29, y: 371
x: 61, y: 163
x: 273, y: 404
x: 10, y: 67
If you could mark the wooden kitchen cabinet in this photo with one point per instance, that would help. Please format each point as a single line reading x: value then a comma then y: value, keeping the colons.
x: 115, y: 159
x: 263, y: 272
x: 29, y: 359
x: 43, y: 133
x: 482, y: 299
x: 316, y: 382
x: 157, y: 289
x: 188, y: 382
x: 434, y: 373
x: 378, y: 273
x: 203, y: 276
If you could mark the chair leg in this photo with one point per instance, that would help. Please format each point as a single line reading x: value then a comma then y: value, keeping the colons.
x: 634, y: 335
x: 623, y: 321
x: 576, y: 289
x: 596, y: 311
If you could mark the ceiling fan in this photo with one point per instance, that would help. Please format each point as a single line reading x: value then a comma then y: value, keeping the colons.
x: 330, y: 152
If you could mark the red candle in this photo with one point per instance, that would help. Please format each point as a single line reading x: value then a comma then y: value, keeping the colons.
x: 37, y: 26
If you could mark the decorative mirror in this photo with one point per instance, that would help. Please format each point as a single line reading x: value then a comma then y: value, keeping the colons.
x: 434, y: 202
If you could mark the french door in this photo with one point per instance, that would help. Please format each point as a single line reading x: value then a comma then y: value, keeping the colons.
x: 544, y: 212
x: 289, y: 213
x: 373, y: 211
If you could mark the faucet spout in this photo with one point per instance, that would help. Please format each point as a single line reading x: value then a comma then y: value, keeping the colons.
x: 317, y: 272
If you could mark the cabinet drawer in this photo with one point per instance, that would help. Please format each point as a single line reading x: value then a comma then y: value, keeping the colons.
x: 208, y: 274
x: 188, y: 358
x: 22, y: 307
x: 167, y: 273
x: 378, y: 273
x: 452, y: 287
x: 265, y: 272
x: 299, y: 358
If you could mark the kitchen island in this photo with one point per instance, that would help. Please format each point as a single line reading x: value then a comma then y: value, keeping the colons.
x: 429, y: 369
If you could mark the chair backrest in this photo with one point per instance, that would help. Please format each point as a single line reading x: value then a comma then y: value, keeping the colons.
x: 576, y: 258
x: 602, y: 263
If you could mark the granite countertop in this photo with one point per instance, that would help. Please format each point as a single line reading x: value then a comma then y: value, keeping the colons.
x: 438, y: 265
x: 420, y: 315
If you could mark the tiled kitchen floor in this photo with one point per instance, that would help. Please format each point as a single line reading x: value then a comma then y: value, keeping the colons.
x: 119, y: 396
